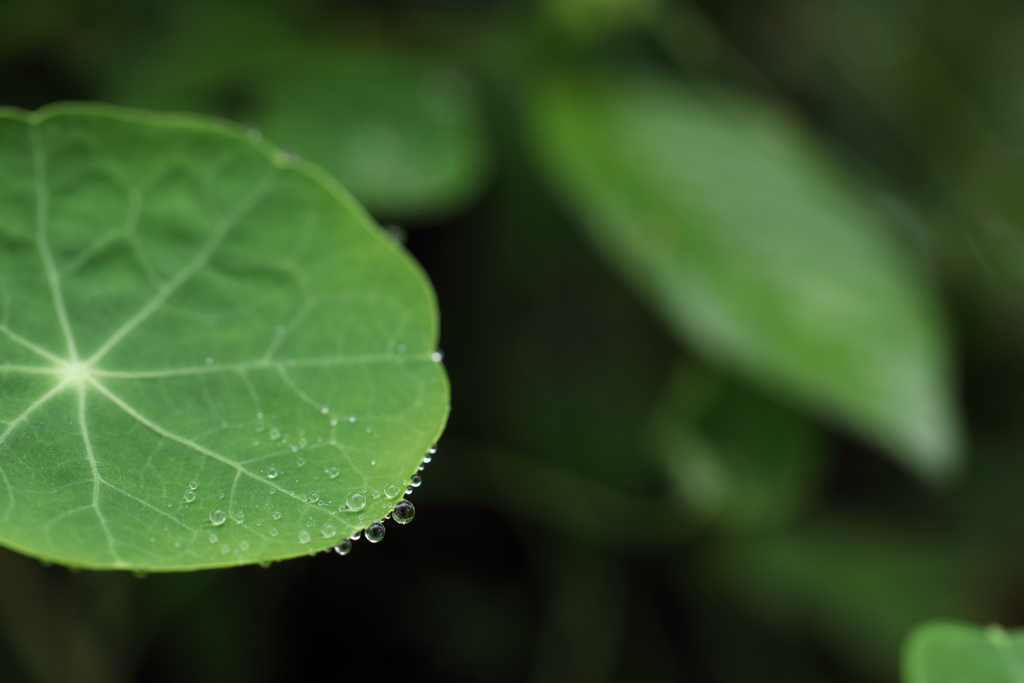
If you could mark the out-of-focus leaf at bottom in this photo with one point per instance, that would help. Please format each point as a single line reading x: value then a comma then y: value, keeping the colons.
x: 856, y: 587
x: 954, y: 652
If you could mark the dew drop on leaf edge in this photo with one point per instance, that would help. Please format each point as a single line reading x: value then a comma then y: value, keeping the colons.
x: 375, y: 532
x: 404, y: 512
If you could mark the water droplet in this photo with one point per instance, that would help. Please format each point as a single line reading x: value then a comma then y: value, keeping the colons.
x: 372, y: 462
x: 218, y: 517
x: 243, y: 545
x: 260, y: 426
x: 400, y: 348
x: 329, y: 530
x: 351, y: 418
x: 404, y: 512
x: 225, y: 549
x: 376, y: 494
x: 213, y: 538
x: 273, y: 531
x: 437, y: 356
x: 300, y: 461
x: 190, y: 496
x: 295, y: 449
x: 390, y: 490
x: 415, y: 481
x: 220, y: 495
x: 334, y: 422
x: 271, y: 472
x: 304, y: 536
x: 332, y: 472
x: 238, y: 516
x: 343, y: 548
x: 427, y: 459
x: 375, y: 532
x: 314, y: 497
x: 177, y: 544
x: 355, y: 501
x: 408, y: 490
x: 302, y: 443
x: 420, y: 468
x: 209, y: 361
x: 432, y: 449
x: 356, y: 536
x: 275, y: 434
x: 325, y: 410
x: 193, y: 485
x: 276, y: 515
x: 259, y: 416
x: 272, y: 491
x: 256, y: 442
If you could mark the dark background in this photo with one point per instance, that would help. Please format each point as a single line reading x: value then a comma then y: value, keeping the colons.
x: 548, y: 544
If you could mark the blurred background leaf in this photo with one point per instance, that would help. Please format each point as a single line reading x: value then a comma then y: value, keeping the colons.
x: 756, y: 250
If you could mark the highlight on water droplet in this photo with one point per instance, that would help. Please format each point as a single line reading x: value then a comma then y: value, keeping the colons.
x: 271, y: 472
x: 390, y: 490
x: 329, y: 530
x: 193, y: 485
x: 375, y: 532
x: 343, y: 548
x: 218, y: 517
x: 415, y: 481
x: 351, y: 418
x: 190, y: 496
x: 404, y: 512
x: 304, y: 536
x: 355, y: 501
x: 437, y: 356
x: 332, y: 472
x: 356, y: 536
x: 314, y: 497
x: 325, y: 410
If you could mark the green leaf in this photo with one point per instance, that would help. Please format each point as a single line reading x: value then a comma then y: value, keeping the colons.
x: 733, y: 456
x: 756, y: 250
x: 206, y: 347
x: 955, y: 652
x: 403, y: 132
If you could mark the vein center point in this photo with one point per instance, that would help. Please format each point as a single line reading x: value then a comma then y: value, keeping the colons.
x: 75, y: 372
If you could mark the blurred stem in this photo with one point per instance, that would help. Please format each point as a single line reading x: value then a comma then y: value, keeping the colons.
x: 44, y: 628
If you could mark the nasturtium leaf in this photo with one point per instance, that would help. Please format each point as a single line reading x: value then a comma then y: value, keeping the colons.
x: 757, y: 250
x: 209, y: 354
x: 956, y: 652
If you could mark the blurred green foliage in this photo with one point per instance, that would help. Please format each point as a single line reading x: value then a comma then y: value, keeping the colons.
x: 726, y: 288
